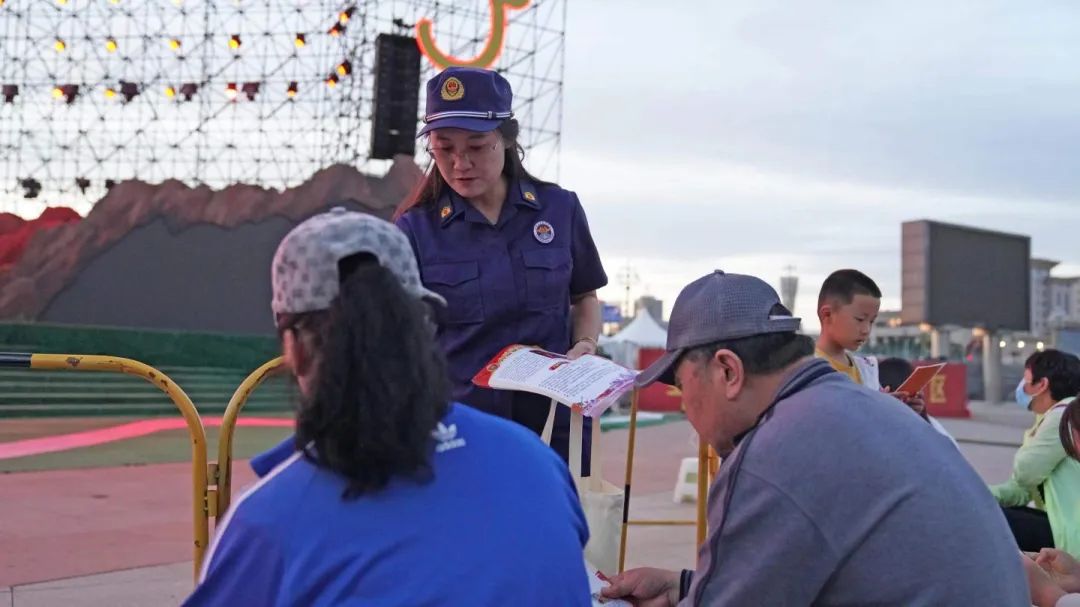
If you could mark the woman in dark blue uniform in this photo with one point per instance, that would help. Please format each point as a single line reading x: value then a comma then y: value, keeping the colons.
x: 512, y: 255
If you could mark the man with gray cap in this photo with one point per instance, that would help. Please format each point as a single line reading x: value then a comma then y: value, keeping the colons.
x: 828, y: 493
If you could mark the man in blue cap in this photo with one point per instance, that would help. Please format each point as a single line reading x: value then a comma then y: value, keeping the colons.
x: 512, y: 255
x: 829, y: 494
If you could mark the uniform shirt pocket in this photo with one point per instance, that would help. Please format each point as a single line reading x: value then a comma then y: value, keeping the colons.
x: 547, y: 278
x: 459, y: 284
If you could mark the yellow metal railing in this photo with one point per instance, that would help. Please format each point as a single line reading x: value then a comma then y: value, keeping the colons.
x: 708, y: 464
x: 223, y: 468
x: 212, y: 482
x: 202, y: 495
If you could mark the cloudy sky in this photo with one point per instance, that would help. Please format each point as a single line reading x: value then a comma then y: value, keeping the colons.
x: 750, y: 135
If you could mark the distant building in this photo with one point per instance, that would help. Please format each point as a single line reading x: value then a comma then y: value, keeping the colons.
x: 1064, y: 296
x: 1040, y: 294
x: 789, y: 287
x: 654, y: 306
x: 1055, y: 322
x: 1055, y: 313
x: 890, y: 337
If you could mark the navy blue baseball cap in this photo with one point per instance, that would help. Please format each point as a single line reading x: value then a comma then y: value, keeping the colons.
x: 467, y: 98
x: 714, y: 308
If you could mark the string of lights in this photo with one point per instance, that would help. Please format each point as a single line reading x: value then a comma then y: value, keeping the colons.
x: 262, y: 92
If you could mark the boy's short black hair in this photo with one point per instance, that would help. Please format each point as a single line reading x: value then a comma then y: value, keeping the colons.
x: 1061, y: 368
x: 844, y: 285
x: 893, y: 371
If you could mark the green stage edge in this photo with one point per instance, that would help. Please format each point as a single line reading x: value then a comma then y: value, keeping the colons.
x: 155, y: 348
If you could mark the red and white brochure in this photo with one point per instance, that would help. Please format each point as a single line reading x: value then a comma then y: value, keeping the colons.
x: 590, y: 383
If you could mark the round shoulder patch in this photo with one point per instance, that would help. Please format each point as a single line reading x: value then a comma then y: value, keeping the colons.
x: 543, y: 232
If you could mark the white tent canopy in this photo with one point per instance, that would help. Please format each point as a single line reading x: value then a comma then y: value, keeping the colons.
x: 643, y: 332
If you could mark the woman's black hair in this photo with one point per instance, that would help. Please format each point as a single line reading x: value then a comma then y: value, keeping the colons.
x: 432, y: 186
x: 1070, y: 419
x: 380, y: 385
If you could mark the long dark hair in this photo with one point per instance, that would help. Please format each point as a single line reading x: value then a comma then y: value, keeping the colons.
x: 432, y: 186
x: 381, y: 384
x: 1070, y: 419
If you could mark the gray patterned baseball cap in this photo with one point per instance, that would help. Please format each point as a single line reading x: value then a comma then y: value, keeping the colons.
x: 305, y: 268
x: 718, y: 307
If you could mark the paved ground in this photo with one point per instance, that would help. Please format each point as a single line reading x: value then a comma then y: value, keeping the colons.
x: 67, y: 527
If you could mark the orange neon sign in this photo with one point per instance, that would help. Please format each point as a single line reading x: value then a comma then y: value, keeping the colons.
x: 425, y: 38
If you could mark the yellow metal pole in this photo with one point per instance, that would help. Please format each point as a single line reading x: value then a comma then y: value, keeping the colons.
x: 629, y: 476
x: 228, y: 427
x: 112, y: 364
x: 702, y: 491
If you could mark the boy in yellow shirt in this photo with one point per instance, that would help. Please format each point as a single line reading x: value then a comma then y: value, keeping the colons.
x: 848, y: 305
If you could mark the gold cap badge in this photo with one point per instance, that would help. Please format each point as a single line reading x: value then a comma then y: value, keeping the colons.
x: 452, y: 89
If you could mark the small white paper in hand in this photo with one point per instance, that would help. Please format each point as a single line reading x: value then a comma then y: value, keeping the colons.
x: 597, y: 581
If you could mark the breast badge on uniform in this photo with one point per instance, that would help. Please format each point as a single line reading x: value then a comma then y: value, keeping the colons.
x: 452, y: 89
x: 543, y: 232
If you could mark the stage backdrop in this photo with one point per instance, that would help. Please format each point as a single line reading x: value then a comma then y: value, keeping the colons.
x: 170, y: 257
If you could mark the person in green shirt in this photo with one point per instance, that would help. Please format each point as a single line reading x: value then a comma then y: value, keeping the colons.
x: 1054, y: 575
x: 1042, y: 472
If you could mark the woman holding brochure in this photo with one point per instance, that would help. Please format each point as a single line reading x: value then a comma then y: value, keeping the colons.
x: 512, y: 255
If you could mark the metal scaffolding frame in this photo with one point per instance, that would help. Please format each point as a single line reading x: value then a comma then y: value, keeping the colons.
x: 262, y: 92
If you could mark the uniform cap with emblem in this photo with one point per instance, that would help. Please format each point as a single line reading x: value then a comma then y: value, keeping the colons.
x: 467, y: 98
x: 304, y: 274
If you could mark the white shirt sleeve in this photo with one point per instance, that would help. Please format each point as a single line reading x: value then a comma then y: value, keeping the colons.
x: 941, y: 430
x: 1069, y: 600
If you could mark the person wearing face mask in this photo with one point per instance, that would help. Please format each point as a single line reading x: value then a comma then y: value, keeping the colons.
x: 1042, y: 472
x: 512, y: 255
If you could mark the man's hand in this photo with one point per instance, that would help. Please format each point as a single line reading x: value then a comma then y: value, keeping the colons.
x: 645, y: 587
x: 1044, y: 592
x: 1062, y: 567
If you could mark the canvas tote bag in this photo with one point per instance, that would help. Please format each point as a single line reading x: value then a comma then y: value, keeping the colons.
x: 601, y: 500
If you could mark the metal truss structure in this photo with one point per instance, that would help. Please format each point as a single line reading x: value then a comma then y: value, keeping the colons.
x: 263, y: 92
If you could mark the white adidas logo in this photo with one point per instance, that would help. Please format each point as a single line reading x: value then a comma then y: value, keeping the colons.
x: 446, y: 437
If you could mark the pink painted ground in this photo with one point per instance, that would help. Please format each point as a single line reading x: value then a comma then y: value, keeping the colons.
x: 100, y: 436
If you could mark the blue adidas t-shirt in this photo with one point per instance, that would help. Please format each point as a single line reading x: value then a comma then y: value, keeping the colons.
x: 500, y: 524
